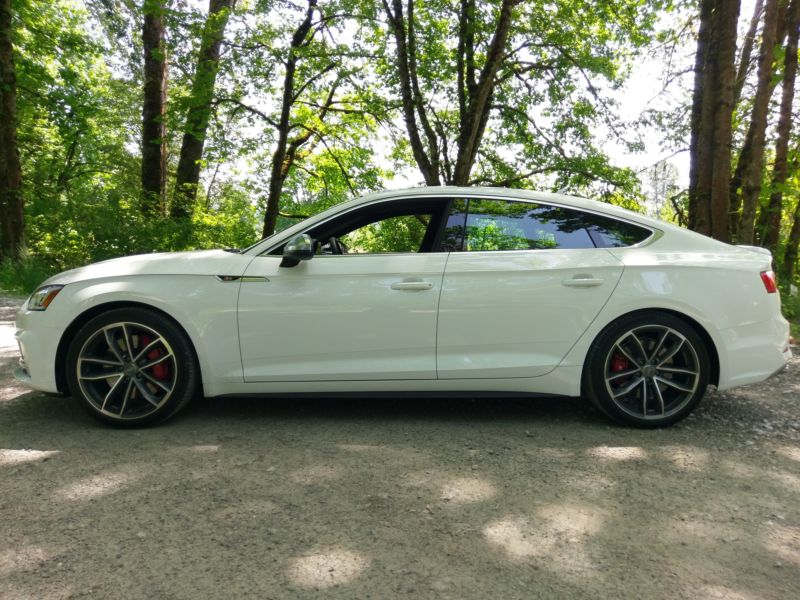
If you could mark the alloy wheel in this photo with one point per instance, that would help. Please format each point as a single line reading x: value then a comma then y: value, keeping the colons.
x: 127, y: 370
x: 652, y: 372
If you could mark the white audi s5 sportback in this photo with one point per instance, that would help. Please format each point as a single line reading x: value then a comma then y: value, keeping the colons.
x: 465, y: 291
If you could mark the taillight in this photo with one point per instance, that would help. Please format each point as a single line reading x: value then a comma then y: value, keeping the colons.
x: 768, y: 277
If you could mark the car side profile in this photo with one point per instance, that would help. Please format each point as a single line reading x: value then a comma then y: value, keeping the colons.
x: 446, y: 290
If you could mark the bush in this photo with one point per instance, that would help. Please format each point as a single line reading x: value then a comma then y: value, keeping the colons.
x: 24, y: 276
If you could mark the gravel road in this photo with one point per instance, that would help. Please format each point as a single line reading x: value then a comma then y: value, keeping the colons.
x: 354, y: 499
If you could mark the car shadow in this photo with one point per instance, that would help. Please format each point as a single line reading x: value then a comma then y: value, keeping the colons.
x: 414, y: 408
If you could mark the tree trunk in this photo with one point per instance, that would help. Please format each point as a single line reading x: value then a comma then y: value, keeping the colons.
x: 751, y: 184
x: 11, y: 207
x: 727, y: 16
x: 747, y: 51
x: 711, y: 130
x: 279, y: 168
x: 770, y: 219
x: 479, y: 98
x: 790, y: 256
x: 699, y: 158
x: 154, y: 149
x: 413, y: 104
x: 199, y: 112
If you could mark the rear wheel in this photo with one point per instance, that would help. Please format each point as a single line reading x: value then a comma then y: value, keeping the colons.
x: 132, y: 366
x: 648, y: 370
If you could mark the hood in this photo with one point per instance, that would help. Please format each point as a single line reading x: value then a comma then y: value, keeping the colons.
x: 201, y: 262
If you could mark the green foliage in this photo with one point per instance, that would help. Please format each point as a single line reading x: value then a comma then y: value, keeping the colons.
x: 25, y: 275
x: 791, y: 310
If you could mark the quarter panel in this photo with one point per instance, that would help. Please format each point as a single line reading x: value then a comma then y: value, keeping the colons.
x: 721, y: 291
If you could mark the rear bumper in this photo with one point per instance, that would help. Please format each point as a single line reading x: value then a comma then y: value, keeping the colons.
x: 754, y: 352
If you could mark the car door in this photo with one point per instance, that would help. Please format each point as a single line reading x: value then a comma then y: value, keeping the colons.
x: 369, y: 315
x: 524, y: 283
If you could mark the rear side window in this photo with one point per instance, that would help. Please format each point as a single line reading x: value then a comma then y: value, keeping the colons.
x: 610, y: 233
x: 479, y: 225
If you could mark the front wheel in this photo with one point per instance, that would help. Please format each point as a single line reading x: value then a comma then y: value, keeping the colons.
x: 647, y: 370
x: 132, y: 366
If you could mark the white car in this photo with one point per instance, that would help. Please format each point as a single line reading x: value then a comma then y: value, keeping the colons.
x: 428, y: 291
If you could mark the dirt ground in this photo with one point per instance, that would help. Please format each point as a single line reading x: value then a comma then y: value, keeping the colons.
x: 355, y: 499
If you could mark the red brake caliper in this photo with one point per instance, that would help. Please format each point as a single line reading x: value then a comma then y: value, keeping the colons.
x: 619, y: 363
x: 161, y: 370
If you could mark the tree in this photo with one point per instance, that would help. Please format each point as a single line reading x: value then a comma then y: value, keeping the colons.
x: 770, y: 218
x: 474, y: 88
x: 285, y: 153
x: 154, y: 146
x: 11, y: 202
x: 752, y: 169
x: 199, y: 110
x: 494, y: 93
x: 710, y: 158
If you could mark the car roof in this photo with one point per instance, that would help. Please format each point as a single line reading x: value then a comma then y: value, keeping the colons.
x: 512, y: 194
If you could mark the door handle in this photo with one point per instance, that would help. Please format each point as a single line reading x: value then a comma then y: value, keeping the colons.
x: 412, y: 285
x: 582, y: 281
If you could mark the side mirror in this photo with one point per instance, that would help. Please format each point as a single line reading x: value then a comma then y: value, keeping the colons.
x: 298, y: 248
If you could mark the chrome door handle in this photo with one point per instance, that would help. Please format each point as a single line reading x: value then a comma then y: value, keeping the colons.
x: 412, y: 285
x: 581, y: 281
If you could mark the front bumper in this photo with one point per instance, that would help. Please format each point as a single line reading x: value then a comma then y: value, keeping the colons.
x: 38, y: 345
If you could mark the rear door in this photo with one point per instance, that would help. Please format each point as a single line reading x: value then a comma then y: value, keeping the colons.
x: 522, y: 284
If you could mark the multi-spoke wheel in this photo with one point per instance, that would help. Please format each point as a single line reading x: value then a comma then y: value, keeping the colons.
x: 131, y: 366
x: 649, y: 370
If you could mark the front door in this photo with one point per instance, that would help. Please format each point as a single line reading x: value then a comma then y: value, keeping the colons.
x: 365, y: 308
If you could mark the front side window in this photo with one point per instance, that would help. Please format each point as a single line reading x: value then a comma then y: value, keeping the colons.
x: 395, y: 234
x: 480, y: 225
x: 393, y: 226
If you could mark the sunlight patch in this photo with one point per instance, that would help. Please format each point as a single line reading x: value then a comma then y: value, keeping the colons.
x: 358, y: 447
x: 558, y: 535
x: 712, y: 592
x: 14, y: 457
x: 785, y: 542
x: 205, y: 448
x: 513, y: 536
x: 571, y: 521
x: 790, y: 452
x: 326, y: 569
x: 22, y: 559
x: 95, y: 486
x: 618, y: 452
x: 464, y: 489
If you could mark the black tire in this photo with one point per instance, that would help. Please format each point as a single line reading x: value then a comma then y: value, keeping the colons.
x: 648, y: 369
x: 131, y: 367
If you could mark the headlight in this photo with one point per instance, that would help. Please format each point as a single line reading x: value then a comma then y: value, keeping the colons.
x: 41, y: 298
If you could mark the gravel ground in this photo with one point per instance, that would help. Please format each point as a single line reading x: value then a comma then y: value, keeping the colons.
x: 499, y: 499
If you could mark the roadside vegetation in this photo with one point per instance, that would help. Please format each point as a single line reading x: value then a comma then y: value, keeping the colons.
x: 160, y: 125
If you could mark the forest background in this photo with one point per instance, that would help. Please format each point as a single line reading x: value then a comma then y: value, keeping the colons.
x: 132, y: 126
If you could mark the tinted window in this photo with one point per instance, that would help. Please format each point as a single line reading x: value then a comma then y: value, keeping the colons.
x: 610, y: 233
x: 478, y: 225
x: 453, y: 235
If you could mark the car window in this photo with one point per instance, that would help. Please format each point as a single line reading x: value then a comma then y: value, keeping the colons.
x: 479, y: 225
x: 610, y: 233
x: 395, y: 234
